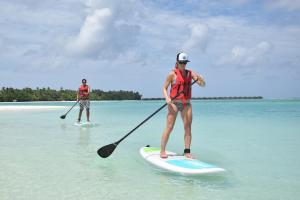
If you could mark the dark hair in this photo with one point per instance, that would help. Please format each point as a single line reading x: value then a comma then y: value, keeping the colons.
x: 83, y: 80
x: 178, y: 56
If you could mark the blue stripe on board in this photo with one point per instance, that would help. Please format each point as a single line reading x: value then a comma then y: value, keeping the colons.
x: 190, y: 164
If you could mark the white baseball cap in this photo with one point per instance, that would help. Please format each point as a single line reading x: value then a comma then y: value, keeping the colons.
x: 182, y: 57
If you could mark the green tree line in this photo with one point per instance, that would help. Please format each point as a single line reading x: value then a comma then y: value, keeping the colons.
x: 47, y: 94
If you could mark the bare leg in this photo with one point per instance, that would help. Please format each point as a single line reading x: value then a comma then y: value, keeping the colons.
x: 88, y: 114
x: 79, y: 116
x: 171, y: 118
x: 186, y: 116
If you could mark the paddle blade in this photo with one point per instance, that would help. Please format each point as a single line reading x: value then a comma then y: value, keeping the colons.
x: 107, y: 150
x: 63, y: 116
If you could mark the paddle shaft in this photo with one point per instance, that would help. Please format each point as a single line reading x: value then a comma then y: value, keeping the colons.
x: 116, y: 143
x: 71, y: 108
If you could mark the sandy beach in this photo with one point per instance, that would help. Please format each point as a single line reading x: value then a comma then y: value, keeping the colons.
x: 21, y: 108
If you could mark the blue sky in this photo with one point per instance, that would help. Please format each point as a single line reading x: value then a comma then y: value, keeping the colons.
x: 241, y: 47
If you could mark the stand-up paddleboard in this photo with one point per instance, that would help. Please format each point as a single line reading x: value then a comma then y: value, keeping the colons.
x: 177, y: 163
x: 85, y: 124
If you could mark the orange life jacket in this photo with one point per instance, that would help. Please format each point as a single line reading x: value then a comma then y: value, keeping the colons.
x: 84, y: 91
x: 182, y: 84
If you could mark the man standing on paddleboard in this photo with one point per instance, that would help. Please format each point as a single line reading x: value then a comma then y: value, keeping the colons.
x: 83, y: 95
x: 180, y: 80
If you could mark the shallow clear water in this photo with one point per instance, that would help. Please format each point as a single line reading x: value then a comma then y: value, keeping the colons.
x: 45, y: 157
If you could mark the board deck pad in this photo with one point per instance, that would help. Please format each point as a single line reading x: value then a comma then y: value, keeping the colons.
x: 177, y: 163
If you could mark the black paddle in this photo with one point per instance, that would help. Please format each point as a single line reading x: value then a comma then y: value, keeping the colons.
x: 64, y: 116
x: 107, y: 150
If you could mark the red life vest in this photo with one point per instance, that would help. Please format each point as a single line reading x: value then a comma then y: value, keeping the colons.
x: 182, y: 84
x: 84, y: 91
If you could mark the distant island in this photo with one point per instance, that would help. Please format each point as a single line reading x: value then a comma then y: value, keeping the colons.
x: 213, y: 98
x: 47, y: 94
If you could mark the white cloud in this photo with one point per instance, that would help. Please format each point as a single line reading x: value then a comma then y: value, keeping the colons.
x: 93, y: 34
x: 109, y: 31
x: 246, y: 57
x: 198, y: 38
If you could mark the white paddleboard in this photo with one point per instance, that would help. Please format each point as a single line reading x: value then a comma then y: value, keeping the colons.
x: 85, y: 124
x: 177, y: 163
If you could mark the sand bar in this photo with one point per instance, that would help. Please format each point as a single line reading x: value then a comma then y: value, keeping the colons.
x: 20, y: 108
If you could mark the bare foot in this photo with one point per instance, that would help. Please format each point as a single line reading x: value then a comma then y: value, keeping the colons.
x: 189, y: 156
x: 163, y: 155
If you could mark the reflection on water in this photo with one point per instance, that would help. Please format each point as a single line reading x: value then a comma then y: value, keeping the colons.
x: 63, y: 126
x: 217, y: 181
x: 84, y: 137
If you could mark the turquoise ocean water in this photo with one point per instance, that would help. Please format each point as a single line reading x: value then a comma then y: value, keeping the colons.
x: 45, y: 157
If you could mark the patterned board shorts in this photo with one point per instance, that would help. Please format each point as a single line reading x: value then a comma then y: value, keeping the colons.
x: 84, y: 104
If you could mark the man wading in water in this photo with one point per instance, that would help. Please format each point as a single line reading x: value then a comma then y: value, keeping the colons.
x: 83, y: 95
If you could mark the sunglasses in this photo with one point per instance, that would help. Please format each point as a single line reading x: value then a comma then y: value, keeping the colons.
x: 182, y: 62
